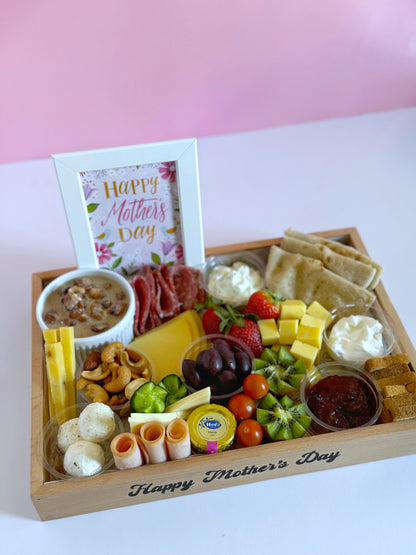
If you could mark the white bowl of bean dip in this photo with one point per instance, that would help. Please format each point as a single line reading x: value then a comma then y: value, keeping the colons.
x: 98, y: 303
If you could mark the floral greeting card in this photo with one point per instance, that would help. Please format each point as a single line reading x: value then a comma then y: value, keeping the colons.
x: 134, y: 216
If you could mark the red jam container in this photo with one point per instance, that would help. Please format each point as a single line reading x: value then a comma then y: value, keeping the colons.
x: 340, y: 397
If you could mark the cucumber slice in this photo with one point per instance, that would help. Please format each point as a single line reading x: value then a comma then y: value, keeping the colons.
x: 149, y: 398
x: 175, y: 388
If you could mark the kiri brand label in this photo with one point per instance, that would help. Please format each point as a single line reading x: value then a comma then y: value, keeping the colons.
x: 263, y: 471
x: 134, y: 215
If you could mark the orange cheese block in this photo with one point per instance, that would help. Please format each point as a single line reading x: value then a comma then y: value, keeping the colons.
x: 165, y: 345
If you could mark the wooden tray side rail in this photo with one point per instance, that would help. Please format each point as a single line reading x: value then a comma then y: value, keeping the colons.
x: 57, y: 499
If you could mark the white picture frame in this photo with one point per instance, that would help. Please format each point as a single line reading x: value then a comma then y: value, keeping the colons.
x: 73, y: 168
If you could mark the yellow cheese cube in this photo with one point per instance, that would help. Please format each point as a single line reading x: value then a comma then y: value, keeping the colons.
x: 312, y: 321
x: 292, y: 309
x: 268, y: 331
x: 305, y: 351
x: 317, y: 310
x: 310, y: 334
x: 287, y: 331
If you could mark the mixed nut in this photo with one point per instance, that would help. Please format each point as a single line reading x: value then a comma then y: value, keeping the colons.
x: 112, y: 376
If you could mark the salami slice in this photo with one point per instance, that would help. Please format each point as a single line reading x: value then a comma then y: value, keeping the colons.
x: 154, y: 319
x: 142, y: 295
x: 201, y: 295
x: 167, y: 303
x: 185, y: 284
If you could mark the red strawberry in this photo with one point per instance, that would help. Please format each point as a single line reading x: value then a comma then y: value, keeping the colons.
x: 211, y: 321
x: 263, y: 304
x: 248, y: 332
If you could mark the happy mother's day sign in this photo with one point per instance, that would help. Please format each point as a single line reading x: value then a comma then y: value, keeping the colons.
x: 134, y: 206
x: 134, y: 215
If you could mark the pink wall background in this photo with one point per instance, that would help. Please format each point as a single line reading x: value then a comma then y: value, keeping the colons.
x: 85, y: 74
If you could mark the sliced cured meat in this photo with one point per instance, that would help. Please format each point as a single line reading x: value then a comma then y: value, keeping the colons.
x: 167, y: 276
x: 201, y: 296
x: 167, y: 303
x: 165, y: 292
x: 185, y: 284
x: 142, y: 293
x: 154, y: 319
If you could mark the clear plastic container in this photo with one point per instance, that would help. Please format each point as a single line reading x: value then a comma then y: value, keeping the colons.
x: 219, y: 395
x: 53, y: 457
x: 122, y: 409
x: 237, y: 293
x: 369, y: 386
x: 357, y: 344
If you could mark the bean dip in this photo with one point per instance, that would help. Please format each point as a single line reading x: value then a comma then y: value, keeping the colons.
x: 91, y: 304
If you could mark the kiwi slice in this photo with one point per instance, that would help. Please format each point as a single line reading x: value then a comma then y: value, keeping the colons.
x: 281, y: 370
x: 282, y: 418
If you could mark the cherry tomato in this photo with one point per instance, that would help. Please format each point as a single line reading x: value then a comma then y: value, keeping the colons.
x: 242, y: 406
x: 249, y: 433
x: 255, y: 386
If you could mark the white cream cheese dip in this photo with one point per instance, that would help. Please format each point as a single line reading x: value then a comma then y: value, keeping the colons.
x: 234, y: 284
x: 356, y: 338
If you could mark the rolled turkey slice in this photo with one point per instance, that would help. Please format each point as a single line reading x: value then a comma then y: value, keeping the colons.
x: 126, y: 451
x: 177, y: 439
x: 152, y: 441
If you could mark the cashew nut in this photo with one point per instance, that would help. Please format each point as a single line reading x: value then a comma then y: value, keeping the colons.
x: 81, y: 383
x: 121, y: 377
x: 132, y: 386
x: 100, y: 373
x: 132, y: 364
x: 116, y: 400
x: 96, y: 393
x: 111, y: 351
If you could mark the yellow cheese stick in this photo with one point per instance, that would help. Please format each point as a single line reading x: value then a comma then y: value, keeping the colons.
x: 68, y: 346
x: 52, y: 411
x: 50, y: 336
x: 55, y: 369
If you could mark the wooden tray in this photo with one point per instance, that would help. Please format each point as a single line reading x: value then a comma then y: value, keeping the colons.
x: 56, y: 499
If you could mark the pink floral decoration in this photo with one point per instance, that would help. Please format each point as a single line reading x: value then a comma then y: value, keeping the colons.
x: 103, y: 253
x: 167, y: 246
x: 168, y: 171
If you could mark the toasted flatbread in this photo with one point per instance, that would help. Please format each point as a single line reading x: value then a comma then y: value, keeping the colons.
x: 300, y: 277
x: 377, y: 363
x: 339, y: 248
x: 358, y: 272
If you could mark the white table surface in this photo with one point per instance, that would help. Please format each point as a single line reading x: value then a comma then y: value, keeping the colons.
x: 349, y: 172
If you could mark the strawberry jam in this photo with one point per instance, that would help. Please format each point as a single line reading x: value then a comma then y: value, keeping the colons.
x: 342, y: 401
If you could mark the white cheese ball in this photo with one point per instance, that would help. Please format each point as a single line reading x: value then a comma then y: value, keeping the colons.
x: 96, y: 422
x: 68, y: 433
x: 84, y: 458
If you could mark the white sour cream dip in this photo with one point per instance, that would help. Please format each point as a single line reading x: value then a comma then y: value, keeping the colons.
x: 234, y: 284
x: 356, y: 338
